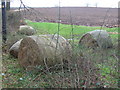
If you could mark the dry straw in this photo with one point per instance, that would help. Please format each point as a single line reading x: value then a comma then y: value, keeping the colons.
x: 41, y: 50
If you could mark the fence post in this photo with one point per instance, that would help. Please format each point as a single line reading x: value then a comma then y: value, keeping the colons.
x: 7, y: 5
x: 4, y: 32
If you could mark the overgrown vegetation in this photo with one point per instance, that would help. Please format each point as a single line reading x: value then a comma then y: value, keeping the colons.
x: 91, y: 68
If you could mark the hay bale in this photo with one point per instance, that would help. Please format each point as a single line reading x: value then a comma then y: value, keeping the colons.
x: 96, y: 38
x: 26, y: 30
x: 43, y: 50
x: 15, y: 49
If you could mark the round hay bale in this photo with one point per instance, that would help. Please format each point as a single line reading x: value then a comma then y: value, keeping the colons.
x: 43, y: 50
x: 26, y: 30
x: 96, y: 38
x: 15, y: 49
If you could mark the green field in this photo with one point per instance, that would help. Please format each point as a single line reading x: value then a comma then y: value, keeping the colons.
x: 67, y: 30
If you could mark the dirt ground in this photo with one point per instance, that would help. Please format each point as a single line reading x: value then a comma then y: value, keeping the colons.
x: 88, y: 16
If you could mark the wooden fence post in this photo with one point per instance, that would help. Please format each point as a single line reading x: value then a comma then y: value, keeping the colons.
x: 4, y: 32
x: 7, y: 5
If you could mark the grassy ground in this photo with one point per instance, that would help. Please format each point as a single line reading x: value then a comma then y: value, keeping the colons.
x: 90, y: 68
x: 66, y: 30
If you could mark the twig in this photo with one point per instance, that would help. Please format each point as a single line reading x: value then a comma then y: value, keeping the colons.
x: 72, y: 28
x: 103, y: 21
x: 46, y: 64
x: 23, y: 5
x: 105, y: 18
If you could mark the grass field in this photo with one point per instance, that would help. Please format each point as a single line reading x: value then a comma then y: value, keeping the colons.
x: 96, y: 68
x: 66, y: 30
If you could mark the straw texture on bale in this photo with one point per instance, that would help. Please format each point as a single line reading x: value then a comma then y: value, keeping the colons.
x: 43, y: 50
x: 96, y: 38
x: 15, y: 49
x: 26, y: 30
